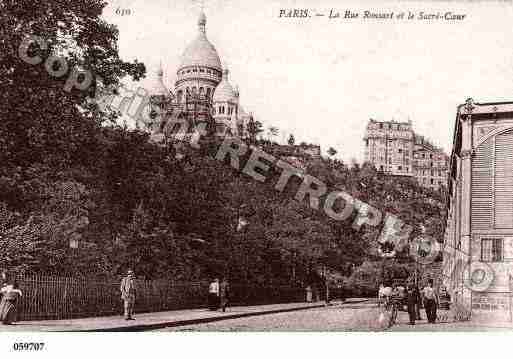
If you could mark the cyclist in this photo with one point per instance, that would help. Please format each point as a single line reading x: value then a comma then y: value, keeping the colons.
x: 389, y: 295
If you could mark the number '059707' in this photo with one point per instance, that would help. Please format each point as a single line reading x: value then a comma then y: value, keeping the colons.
x: 21, y: 346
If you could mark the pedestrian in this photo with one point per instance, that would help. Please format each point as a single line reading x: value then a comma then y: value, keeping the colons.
x: 213, y: 295
x: 430, y: 301
x: 419, y: 302
x: 411, y: 303
x: 128, y: 293
x: 3, y: 282
x: 224, y: 291
x: 309, y: 298
x: 11, y: 294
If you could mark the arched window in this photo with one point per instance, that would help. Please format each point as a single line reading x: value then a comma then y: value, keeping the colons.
x: 492, y: 183
x: 208, y: 92
x: 201, y: 91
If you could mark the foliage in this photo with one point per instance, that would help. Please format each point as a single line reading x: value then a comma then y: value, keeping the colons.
x: 291, y: 140
x: 70, y: 176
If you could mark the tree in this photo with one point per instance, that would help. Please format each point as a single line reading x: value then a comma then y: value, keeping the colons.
x: 254, y: 129
x: 291, y: 140
x: 43, y: 119
x: 272, y: 132
x: 68, y: 172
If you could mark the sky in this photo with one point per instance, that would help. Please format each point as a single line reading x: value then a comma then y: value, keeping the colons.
x: 322, y: 79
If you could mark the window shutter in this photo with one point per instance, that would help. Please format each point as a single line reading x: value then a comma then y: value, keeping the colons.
x: 482, y: 181
x: 504, y: 180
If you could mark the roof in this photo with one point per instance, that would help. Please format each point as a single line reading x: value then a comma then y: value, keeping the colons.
x: 156, y: 86
x: 201, y: 52
x: 224, y: 92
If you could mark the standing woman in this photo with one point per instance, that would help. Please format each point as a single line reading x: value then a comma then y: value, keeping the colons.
x: 9, y: 304
x: 213, y: 295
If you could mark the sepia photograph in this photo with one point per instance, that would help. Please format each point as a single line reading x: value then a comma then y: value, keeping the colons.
x: 196, y: 167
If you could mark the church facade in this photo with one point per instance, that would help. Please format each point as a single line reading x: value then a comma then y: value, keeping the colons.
x: 202, y: 93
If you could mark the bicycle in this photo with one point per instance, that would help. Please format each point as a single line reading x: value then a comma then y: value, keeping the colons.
x: 391, y: 306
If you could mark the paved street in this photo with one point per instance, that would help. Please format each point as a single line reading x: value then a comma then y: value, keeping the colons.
x: 345, y: 317
x: 357, y: 314
x: 339, y: 317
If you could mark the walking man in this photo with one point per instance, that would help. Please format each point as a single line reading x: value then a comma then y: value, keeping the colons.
x: 419, y: 301
x: 128, y: 292
x: 430, y: 301
x: 223, y: 293
x: 411, y: 301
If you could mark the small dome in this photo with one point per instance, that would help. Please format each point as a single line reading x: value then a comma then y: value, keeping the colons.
x: 202, y: 20
x: 201, y: 52
x: 224, y: 92
x: 157, y: 87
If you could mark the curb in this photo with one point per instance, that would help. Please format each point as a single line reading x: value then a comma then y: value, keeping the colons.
x: 179, y: 323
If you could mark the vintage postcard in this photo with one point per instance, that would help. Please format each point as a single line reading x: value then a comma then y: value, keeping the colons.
x: 174, y: 166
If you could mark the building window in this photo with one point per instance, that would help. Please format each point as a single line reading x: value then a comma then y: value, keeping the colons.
x: 381, y: 126
x: 400, y: 150
x: 399, y: 168
x: 432, y: 181
x: 407, y: 169
x: 491, y: 249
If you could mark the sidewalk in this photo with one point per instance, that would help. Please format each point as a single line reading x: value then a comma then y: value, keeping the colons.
x: 158, y: 320
x: 479, y: 323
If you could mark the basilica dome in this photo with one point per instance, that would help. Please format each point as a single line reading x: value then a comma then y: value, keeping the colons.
x: 156, y: 86
x: 201, y: 52
x: 224, y: 92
